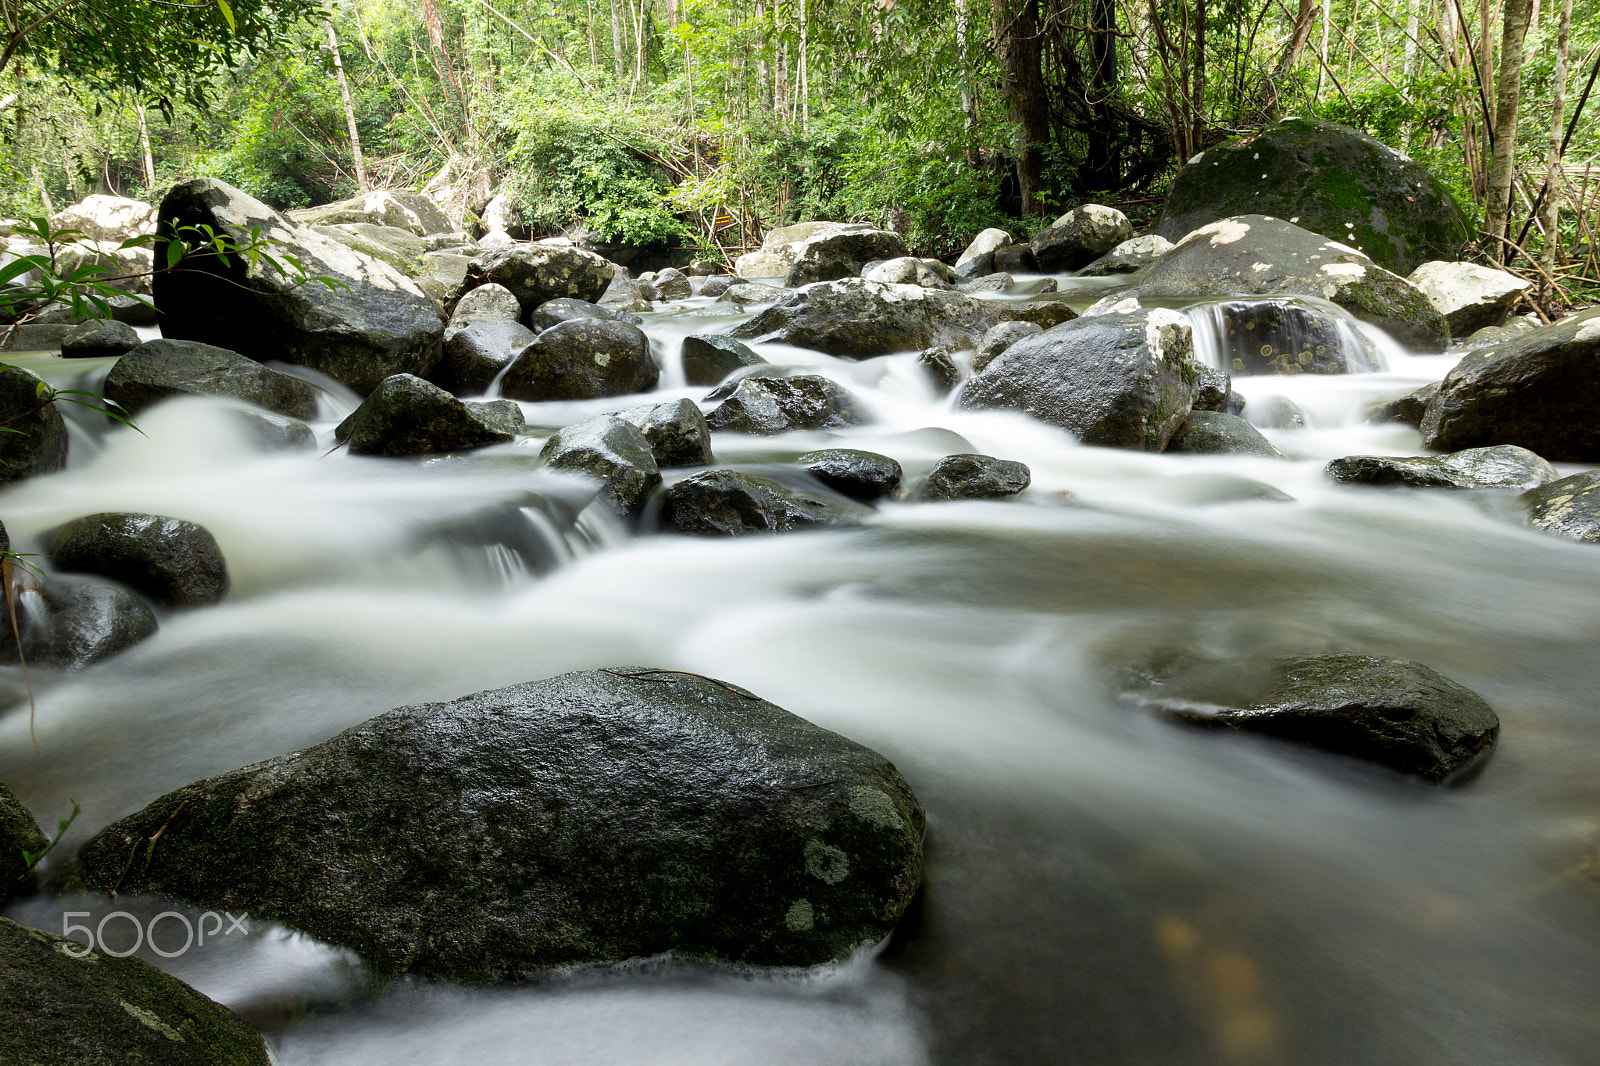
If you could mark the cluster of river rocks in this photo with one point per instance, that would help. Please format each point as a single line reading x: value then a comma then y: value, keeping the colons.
x: 765, y: 840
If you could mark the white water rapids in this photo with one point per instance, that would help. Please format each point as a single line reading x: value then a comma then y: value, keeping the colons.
x: 1101, y: 887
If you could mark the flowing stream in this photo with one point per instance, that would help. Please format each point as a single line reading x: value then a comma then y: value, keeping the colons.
x: 1102, y: 887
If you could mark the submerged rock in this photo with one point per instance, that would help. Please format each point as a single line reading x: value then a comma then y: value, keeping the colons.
x: 582, y: 360
x: 1568, y: 508
x: 1079, y: 237
x: 732, y: 503
x: 589, y: 818
x: 1256, y: 255
x: 1407, y: 410
x: 768, y: 406
x: 1394, y: 712
x: 1216, y: 433
x: 161, y: 369
x: 973, y: 477
x: 1503, y: 466
x: 710, y: 357
x: 1123, y: 380
x: 1469, y: 296
x: 1539, y: 390
x: 375, y: 323
x: 73, y: 624
x: 174, y: 562
x: 62, y: 1004
x: 615, y: 452
x: 40, y: 444
x: 408, y: 416
x: 863, y: 476
x: 1332, y: 180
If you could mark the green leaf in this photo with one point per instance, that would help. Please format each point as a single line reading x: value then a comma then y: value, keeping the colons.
x: 175, y: 252
x: 227, y: 15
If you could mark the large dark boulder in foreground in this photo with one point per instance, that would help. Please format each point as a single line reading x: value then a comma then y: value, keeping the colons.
x: 588, y: 818
x: 374, y: 323
x: 1079, y: 237
x: 40, y: 444
x: 1123, y: 380
x: 535, y: 273
x: 161, y: 369
x: 1254, y: 255
x: 174, y: 562
x: 408, y: 416
x: 710, y: 357
x: 19, y: 838
x: 766, y: 406
x: 613, y: 451
x: 75, y: 623
x: 856, y: 319
x: 1330, y: 179
x: 1394, y: 712
x: 64, y: 1005
x: 1503, y: 466
x: 732, y: 503
x: 863, y: 476
x: 582, y: 360
x: 1540, y: 390
x: 1568, y: 508
x: 1218, y: 433
x: 973, y: 477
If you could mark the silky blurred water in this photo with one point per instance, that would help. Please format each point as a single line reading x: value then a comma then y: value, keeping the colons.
x: 1101, y: 887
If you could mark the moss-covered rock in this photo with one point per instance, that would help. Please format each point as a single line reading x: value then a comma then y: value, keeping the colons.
x: 766, y: 406
x: 172, y: 561
x: 1328, y: 178
x: 19, y: 834
x: 76, y: 623
x: 161, y: 369
x: 408, y: 416
x: 64, y: 1005
x: 535, y: 273
x: 582, y: 359
x: 710, y: 357
x: 1287, y: 337
x: 612, y: 451
x: 676, y: 432
x: 973, y: 477
x: 40, y: 444
x: 1568, y: 508
x: 588, y: 818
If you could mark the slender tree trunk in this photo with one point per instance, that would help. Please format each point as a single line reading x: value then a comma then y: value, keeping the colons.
x: 1322, y: 51
x: 594, y: 43
x: 1198, y: 98
x: 1413, y: 7
x: 616, y: 41
x: 764, y: 98
x: 1552, y: 179
x: 1017, y: 40
x: 969, y: 98
x: 145, y: 154
x: 44, y: 193
x: 1304, y: 19
x: 349, y: 111
x: 1104, y: 163
x: 1502, y: 166
x: 805, y: 69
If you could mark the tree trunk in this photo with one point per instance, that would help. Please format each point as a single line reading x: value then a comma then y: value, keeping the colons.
x: 1412, y: 8
x: 1502, y: 165
x: 349, y: 112
x: 616, y: 41
x: 805, y: 69
x: 969, y: 98
x: 1322, y: 52
x: 1017, y: 41
x: 149, y: 158
x: 1103, y: 160
x: 1304, y: 19
x: 1552, y: 180
x: 1197, y: 100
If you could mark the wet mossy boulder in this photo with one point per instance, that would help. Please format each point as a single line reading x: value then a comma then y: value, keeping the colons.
x: 1569, y: 507
x: 998, y: 338
x: 973, y: 477
x: 20, y: 838
x: 1217, y: 433
x: 72, y: 623
x: 373, y: 321
x: 40, y: 444
x: 565, y: 309
x: 1079, y: 237
x: 476, y: 350
x: 62, y: 1004
x: 1407, y: 410
x: 766, y: 406
x: 1540, y: 390
x: 161, y: 369
x: 1502, y: 466
x: 612, y: 451
x: 708, y: 358
x: 100, y: 339
x: 1254, y: 255
x: 1394, y: 712
x: 734, y: 503
x: 173, y: 562
x: 676, y: 432
x: 408, y: 416
x: 1331, y: 180
x: 593, y: 817
x: 860, y: 475
x: 582, y: 359
x: 535, y: 273
x: 1120, y: 380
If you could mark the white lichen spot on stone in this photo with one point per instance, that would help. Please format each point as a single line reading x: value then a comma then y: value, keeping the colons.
x: 1166, y: 330
x: 1197, y: 157
x: 149, y: 1018
x: 1259, y: 267
x: 1111, y: 305
x: 825, y: 862
x: 800, y: 917
x: 1344, y: 270
x: 602, y: 358
x: 1295, y: 219
x: 1227, y: 231
x: 872, y: 805
x: 1343, y: 248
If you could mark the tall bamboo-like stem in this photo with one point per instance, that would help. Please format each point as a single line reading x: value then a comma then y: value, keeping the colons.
x: 1503, y: 161
x: 1552, y: 179
x: 349, y: 112
x: 144, y: 147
